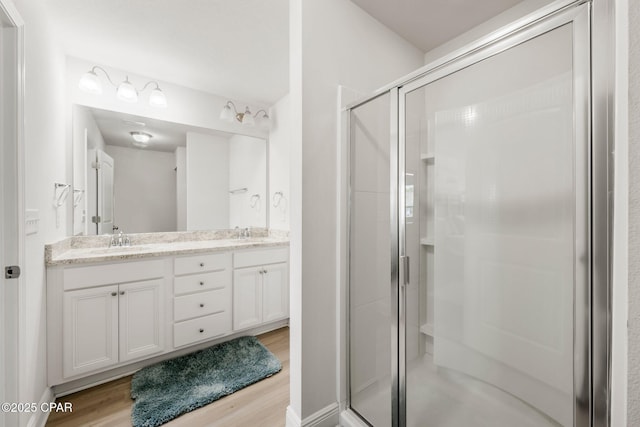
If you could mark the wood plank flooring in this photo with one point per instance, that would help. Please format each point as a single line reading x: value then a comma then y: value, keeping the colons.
x: 260, y: 405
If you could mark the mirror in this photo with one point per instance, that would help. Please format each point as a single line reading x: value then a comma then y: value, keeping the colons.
x: 183, y: 178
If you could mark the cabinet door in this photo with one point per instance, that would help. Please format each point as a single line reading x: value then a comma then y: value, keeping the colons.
x: 141, y: 319
x: 275, y: 292
x: 247, y: 297
x: 90, y: 329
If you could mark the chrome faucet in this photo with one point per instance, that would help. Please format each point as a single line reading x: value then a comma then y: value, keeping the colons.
x: 242, y: 233
x: 121, y: 240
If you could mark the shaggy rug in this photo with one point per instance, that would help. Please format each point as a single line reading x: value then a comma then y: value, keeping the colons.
x: 168, y: 389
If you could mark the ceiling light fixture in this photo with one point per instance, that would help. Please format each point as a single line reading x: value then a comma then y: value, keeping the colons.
x: 125, y: 91
x: 247, y: 118
x: 140, y: 139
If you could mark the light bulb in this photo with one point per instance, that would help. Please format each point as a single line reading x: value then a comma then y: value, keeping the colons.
x: 127, y: 92
x: 142, y: 138
x: 226, y: 114
x: 248, y: 119
x: 89, y: 83
x: 157, y: 98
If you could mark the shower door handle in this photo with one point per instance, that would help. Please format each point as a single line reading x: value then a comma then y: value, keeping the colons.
x: 405, y: 269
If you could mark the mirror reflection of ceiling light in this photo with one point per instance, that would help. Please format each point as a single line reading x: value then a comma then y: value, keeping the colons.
x: 247, y: 118
x: 125, y: 91
x: 140, y: 139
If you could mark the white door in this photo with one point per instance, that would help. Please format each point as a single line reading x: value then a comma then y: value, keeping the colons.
x: 141, y: 312
x: 90, y: 329
x: 105, y: 166
x: 275, y: 295
x: 11, y: 204
x: 247, y: 297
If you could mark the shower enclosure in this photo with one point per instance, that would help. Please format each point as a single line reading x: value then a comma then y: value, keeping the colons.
x: 472, y: 236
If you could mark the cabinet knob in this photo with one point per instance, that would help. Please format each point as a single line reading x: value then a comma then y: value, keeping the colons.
x: 201, y: 305
x: 265, y: 271
x: 201, y: 330
x: 121, y: 292
x: 113, y: 294
x: 202, y: 264
x: 201, y: 283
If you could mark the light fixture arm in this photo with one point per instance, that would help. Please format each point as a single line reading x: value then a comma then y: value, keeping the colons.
x: 261, y: 111
x: 152, y: 82
x: 96, y: 67
x: 231, y: 104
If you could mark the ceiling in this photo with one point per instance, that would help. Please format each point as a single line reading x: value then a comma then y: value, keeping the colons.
x: 430, y: 23
x: 236, y: 49
x: 115, y: 128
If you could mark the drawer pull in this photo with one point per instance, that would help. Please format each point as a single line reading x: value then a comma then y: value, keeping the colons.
x: 202, y: 264
x: 201, y: 283
x: 113, y: 294
x: 201, y: 305
x: 201, y: 330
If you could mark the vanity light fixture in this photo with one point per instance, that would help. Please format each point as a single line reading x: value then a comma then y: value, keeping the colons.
x: 125, y: 91
x: 247, y: 118
x: 140, y: 139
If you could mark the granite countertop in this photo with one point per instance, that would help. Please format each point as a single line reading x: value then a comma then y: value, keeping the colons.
x: 92, y: 249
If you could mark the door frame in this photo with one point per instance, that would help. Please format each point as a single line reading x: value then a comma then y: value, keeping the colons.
x: 12, y: 229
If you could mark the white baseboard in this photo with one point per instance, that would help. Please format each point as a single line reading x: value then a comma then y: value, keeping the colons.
x: 349, y: 419
x: 325, y: 417
x: 39, y: 418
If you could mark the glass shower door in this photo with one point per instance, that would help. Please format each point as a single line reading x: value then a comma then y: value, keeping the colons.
x: 371, y: 255
x: 495, y: 170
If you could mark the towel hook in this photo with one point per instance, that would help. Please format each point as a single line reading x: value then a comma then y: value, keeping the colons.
x: 61, y: 191
x: 254, y: 200
x: 277, y: 198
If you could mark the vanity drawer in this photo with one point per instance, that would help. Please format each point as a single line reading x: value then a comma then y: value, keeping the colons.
x: 202, y: 303
x: 260, y: 257
x: 201, y: 263
x: 202, y: 282
x: 97, y: 275
x: 201, y: 328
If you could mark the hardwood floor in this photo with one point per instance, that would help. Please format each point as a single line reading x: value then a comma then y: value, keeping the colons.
x: 262, y: 404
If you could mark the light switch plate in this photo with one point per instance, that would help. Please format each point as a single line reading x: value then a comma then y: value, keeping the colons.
x: 32, y: 221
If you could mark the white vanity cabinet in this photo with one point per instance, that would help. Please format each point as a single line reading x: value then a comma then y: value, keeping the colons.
x: 109, y: 324
x: 104, y: 315
x: 260, y: 287
x: 202, y: 298
x: 109, y: 318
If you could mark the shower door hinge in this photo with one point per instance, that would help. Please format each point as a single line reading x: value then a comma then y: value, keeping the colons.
x: 405, y: 269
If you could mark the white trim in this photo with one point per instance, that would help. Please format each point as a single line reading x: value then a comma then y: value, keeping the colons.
x: 39, y: 418
x: 325, y: 417
x: 350, y: 419
x: 12, y: 205
x: 292, y: 419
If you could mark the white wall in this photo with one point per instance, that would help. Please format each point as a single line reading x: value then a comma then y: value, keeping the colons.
x: 247, y: 169
x: 279, y: 153
x: 47, y: 155
x: 207, y: 182
x: 633, y: 411
x: 181, y: 188
x: 333, y: 42
x: 144, y: 189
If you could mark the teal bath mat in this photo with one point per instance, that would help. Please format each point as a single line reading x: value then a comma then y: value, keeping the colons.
x: 168, y: 389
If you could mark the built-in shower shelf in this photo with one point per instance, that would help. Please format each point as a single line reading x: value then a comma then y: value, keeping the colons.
x: 427, y: 329
x: 428, y: 157
x: 427, y: 241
